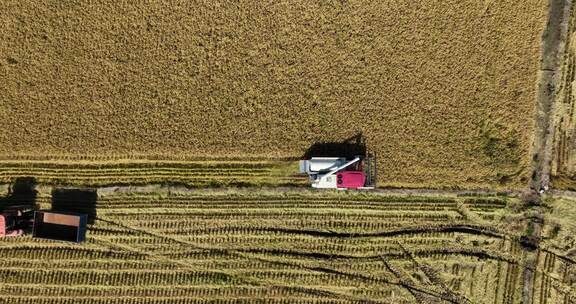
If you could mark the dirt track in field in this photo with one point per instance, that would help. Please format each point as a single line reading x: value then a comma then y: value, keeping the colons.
x: 554, y: 44
x: 553, y: 47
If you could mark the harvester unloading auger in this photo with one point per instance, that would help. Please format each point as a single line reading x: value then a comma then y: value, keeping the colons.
x: 341, y: 173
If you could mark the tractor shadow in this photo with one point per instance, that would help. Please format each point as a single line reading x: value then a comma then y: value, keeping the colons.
x: 21, y: 196
x: 349, y: 148
x: 76, y: 201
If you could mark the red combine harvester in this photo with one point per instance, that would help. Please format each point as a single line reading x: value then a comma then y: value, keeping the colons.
x: 341, y: 173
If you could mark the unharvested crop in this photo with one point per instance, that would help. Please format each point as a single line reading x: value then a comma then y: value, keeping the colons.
x: 442, y: 90
x: 273, y: 247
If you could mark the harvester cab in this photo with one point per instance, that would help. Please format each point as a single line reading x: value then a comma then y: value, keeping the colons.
x: 341, y: 173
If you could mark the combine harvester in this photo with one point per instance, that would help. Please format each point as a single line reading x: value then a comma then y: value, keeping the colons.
x: 341, y: 173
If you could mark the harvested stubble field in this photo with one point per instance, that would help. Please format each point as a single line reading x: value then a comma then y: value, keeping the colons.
x: 563, y: 169
x: 205, y: 173
x: 443, y: 91
x: 555, y: 278
x: 276, y: 247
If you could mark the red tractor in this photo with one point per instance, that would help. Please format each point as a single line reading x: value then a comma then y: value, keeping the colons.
x: 11, y: 223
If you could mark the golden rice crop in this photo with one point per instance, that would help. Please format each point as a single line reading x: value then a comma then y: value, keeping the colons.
x: 443, y: 91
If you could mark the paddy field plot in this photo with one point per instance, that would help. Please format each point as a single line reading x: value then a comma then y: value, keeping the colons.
x: 276, y: 247
x: 563, y: 170
x: 556, y: 257
x: 443, y: 91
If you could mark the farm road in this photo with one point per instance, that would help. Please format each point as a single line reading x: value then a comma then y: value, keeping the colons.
x: 553, y: 41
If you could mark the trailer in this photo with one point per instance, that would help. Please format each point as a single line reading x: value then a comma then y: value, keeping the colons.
x: 52, y: 225
x: 61, y: 226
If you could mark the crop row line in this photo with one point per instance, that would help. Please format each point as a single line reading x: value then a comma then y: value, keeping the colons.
x: 285, y: 299
x: 309, y: 197
x: 360, y: 206
x: 63, y: 253
x: 144, y: 164
x: 91, y: 291
x: 252, y: 212
x: 115, y: 277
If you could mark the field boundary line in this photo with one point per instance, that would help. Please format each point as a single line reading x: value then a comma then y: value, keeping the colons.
x: 553, y: 39
x: 169, y: 189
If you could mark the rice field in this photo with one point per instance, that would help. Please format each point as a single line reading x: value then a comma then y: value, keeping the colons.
x: 201, y: 108
x: 241, y: 246
x: 435, y: 87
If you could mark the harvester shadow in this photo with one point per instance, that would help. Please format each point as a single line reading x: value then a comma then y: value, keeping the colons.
x: 349, y: 148
x: 21, y: 196
x: 75, y: 200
